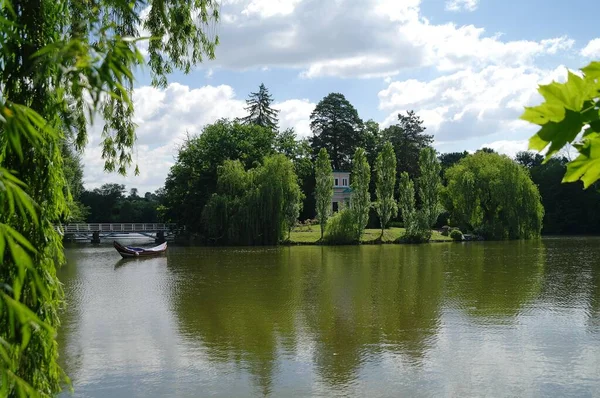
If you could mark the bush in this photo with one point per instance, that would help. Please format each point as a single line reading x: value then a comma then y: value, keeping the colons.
x: 395, y: 224
x: 341, y: 228
x: 457, y: 236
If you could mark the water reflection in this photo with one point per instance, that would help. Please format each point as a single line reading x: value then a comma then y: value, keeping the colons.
x: 444, y: 319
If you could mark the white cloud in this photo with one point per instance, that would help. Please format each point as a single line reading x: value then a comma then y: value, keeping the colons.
x: 507, y: 147
x: 296, y: 114
x: 361, y: 38
x: 270, y: 8
x: 469, y: 103
x: 462, y: 5
x: 164, y: 118
x: 592, y: 49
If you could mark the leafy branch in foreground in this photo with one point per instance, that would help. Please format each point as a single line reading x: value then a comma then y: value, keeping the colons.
x: 61, y: 63
x: 570, y: 113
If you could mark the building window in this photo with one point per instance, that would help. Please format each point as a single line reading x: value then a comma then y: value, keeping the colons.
x: 336, y: 182
x: 335, y: 206
x: 344, y: 182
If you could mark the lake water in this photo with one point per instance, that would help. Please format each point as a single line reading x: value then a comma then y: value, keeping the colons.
x: 479, y: 319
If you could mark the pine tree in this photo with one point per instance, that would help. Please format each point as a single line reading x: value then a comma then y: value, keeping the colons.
x: 259, y: 109
x: 336, y: 127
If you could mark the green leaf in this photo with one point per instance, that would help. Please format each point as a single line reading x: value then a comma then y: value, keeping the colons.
x: 586, y: 167
x: 557, y: 134
x: 592, y: 70
x: 544, y: 113
x: 569, y: 95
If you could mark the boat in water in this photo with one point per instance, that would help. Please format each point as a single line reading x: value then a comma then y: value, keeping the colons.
x: 130, y: 251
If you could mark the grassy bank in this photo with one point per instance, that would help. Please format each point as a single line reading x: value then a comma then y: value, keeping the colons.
x: 311, y: 235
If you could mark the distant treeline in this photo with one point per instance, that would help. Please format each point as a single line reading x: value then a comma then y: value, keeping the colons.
x: 337, y: 127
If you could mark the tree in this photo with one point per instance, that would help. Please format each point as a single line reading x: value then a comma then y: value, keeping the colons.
x: 253, y: 207
x: 568, y: 209
x: 360, y: 201
x: 408, y: 139
x: 567, y: 109
x: 337, y: 128
x: 493, y: 196
x: 61, y: 63
x: 386, y: 184
x: 259, y: 109
x: 448, y: 160
x: 429, y: 184
x: 415, y: 221
x: 323, y: 188
x: 193, y: 178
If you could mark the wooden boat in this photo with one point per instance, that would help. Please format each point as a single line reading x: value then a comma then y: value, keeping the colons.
x: 130, y: 251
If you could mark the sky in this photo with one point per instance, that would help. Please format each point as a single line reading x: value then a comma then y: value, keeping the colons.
x: 467, y: 67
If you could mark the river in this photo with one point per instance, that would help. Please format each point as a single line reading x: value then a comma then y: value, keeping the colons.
x: 478, y: 319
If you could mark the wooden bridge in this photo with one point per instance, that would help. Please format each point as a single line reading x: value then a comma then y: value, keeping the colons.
x: 95, y: 231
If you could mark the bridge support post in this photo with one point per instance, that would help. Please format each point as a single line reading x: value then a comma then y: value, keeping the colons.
x: 96, y: 237
x: 160, y: 237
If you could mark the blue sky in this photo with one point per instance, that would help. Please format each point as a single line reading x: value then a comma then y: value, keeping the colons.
x: 467, y: 67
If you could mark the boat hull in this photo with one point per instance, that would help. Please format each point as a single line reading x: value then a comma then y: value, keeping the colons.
x: 137, y: 252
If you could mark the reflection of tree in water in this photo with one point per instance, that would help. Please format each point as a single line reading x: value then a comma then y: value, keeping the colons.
x: 240, y: 305
x: 573, y: 275
x: 249, y: 307
x: 369, y: 299
x: 495, y: 279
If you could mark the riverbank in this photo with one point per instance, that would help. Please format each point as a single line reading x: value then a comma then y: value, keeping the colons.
x: 311, y: 235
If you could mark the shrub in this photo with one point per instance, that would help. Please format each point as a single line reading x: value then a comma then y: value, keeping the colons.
x: 457, y: 236
x: 341, y: 228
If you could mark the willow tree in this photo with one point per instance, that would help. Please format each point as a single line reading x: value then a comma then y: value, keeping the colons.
x: 62, y: 62
x: 360, y: 201
x: 323, y: 188
x: 493, y: 196
x: 253, y: 207
x: 429, y: 182
x: 385, y: 167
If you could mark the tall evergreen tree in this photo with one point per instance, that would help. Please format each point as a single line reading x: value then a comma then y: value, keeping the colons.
x: 259, y: 109
x: 408, y: 138
x: 385, y: 168
x: 324, y: 188
x: 337, y: 128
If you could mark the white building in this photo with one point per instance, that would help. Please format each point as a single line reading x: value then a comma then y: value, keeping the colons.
x: 341, y: 190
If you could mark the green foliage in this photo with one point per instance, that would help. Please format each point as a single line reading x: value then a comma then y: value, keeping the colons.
x: 360, y: 201
x: 193, y: 179
x: 61, y: 63
x: 568, y: 109
x: 415, y: 221
x: 341, y: 228
x: 385, y: 168
x: 456, y: 235
x: 568, y: 209
x: 300, y: 153
x: 408, y: 139
x: 259, y: 109
x: 494, y: 197
x: 253, y: 207
x: 109, y: 204
x: 323, y: 188
x: 429, y: 184
x: 337, y: 128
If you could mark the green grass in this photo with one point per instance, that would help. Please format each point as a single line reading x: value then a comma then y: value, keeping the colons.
x: 312, y: 234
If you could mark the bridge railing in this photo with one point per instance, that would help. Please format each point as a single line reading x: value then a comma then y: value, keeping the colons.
x: 115, y: 227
